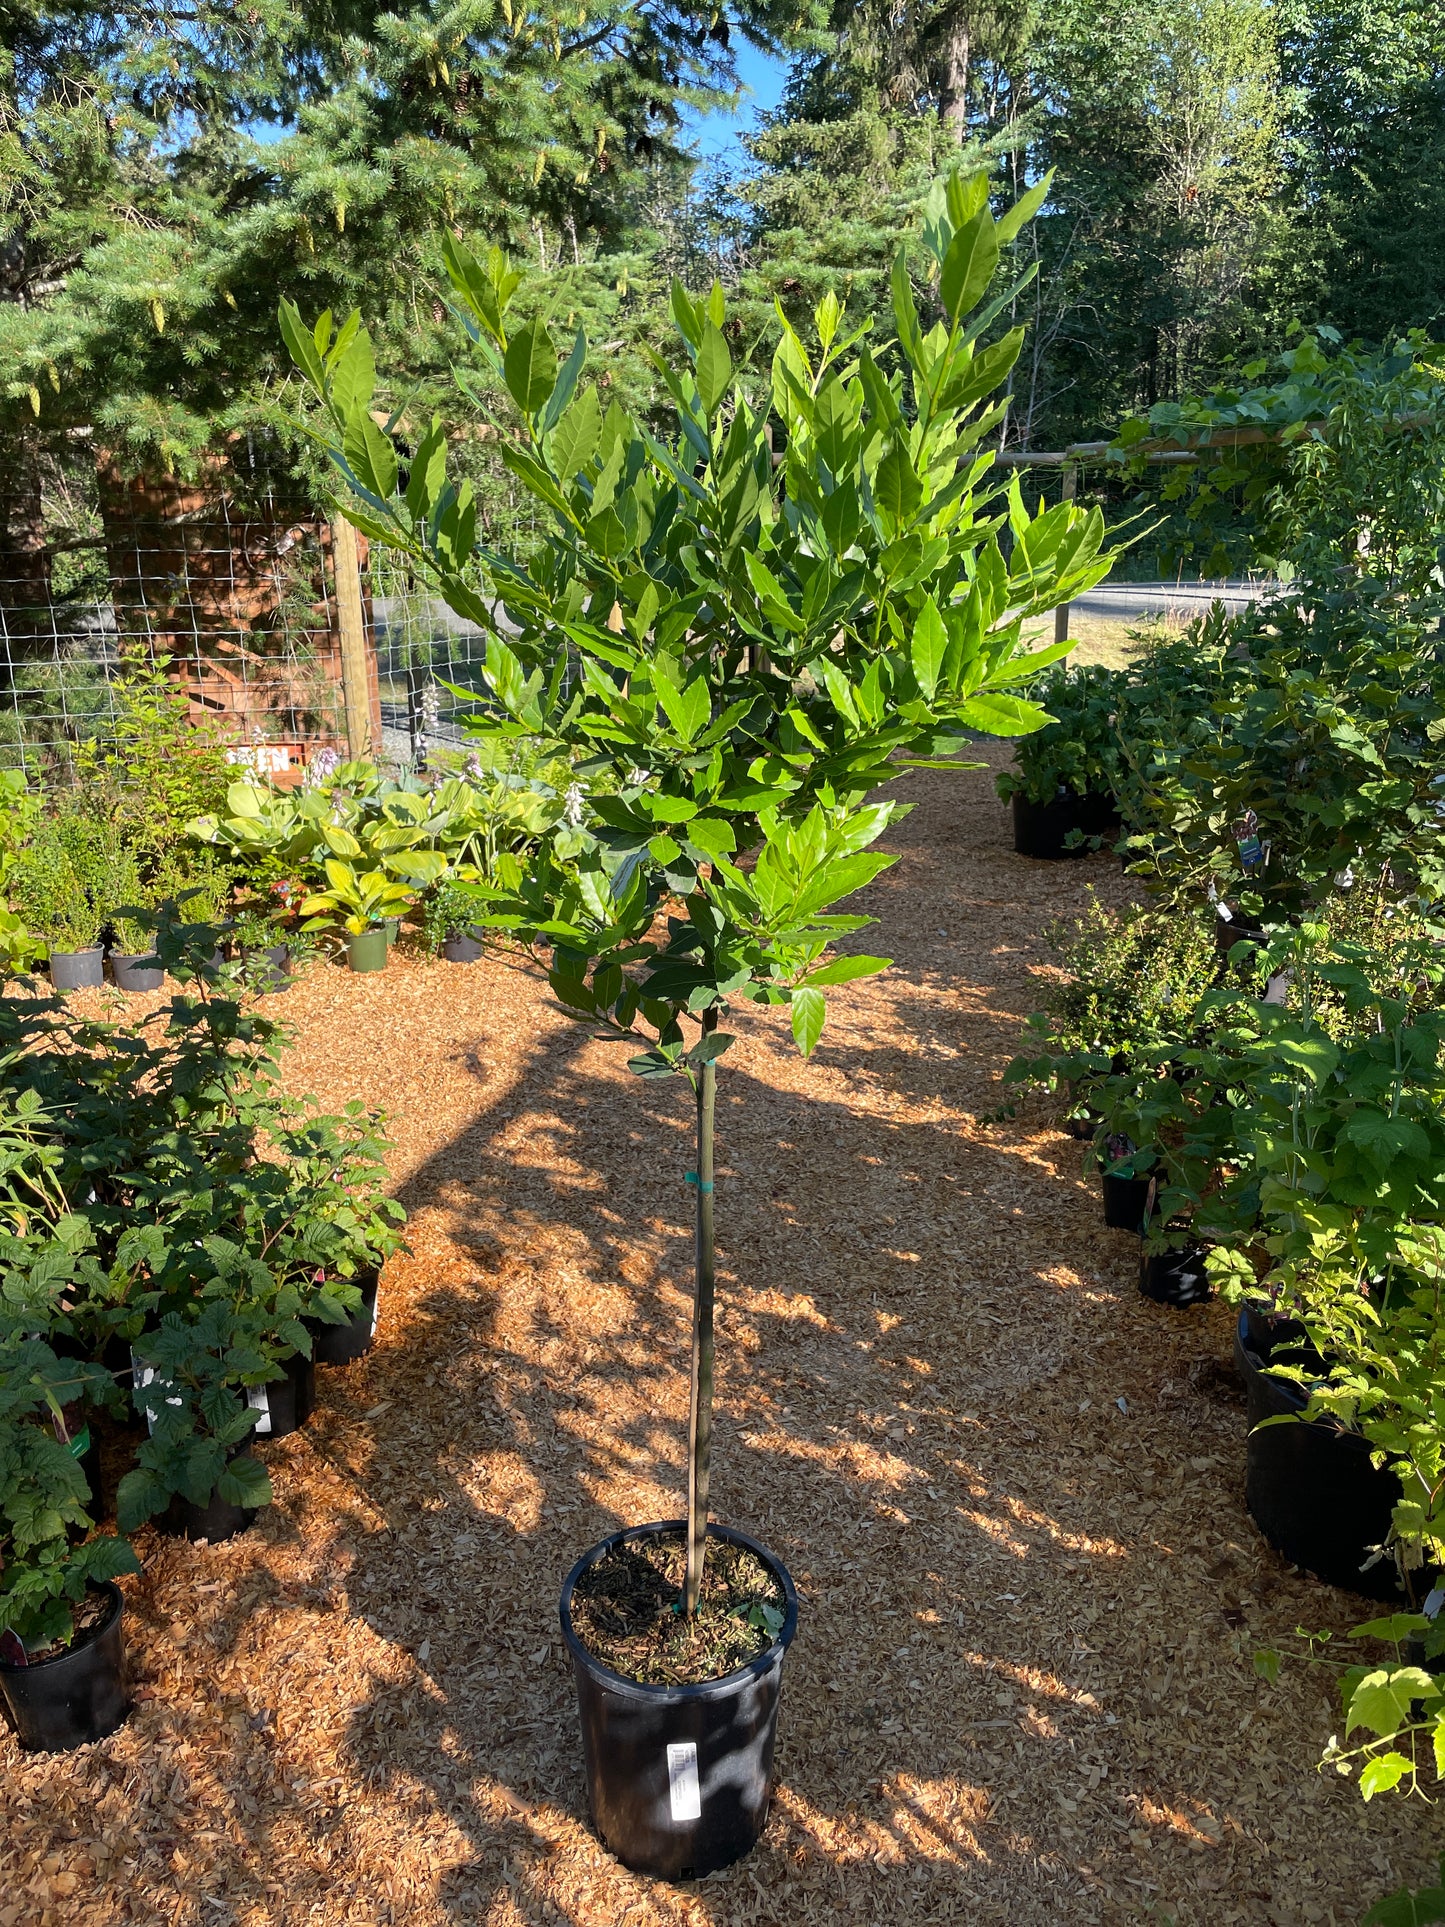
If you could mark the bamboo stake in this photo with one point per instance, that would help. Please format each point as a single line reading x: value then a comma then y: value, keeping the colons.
x: 699, y: 1424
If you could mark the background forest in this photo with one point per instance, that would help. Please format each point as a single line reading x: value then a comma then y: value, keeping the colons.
x: 1228, y: 172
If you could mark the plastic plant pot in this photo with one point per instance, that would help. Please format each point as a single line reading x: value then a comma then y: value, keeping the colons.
x: 1126, y: 1202
x: 136, y: 974
x: 77, y: 969
x: 392, y: 927
x: 76, y: 1697
x: 461, y: 949
x: 1310, y: 1487
x: 368, y: 950
x: 1042, y: 830
x: 270, y: 969
x: 286, y: 1403
x: 214, y: 1521
x: 341, y: 1344
x: 1175, y: 1278
x: 679, y: 1777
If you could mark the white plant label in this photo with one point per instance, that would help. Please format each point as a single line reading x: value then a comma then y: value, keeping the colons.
x: 145, y: 1375
x: 256, y: 1398
x: 683, y: 1786
x: 376, y: 1300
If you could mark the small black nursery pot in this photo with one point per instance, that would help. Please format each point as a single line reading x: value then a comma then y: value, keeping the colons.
x: 1310, y: 1486
x: 1176, y: 1278
x: 214, y: 1521
x: 341, y: 1344
x: 461, y: 948
x: 78, y: 1695
x: 285, y: 1404
x: 1126, y: 1202
x: 679, y: 1777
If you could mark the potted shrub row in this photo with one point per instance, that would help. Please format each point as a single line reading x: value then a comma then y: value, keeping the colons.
x: 195, y: 1295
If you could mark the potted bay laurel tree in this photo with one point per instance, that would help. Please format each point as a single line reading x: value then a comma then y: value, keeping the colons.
x: 733, y: 655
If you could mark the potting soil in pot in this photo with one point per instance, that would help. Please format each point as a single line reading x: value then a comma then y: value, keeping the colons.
x: 625, y: 1611
x: 88, y: 1616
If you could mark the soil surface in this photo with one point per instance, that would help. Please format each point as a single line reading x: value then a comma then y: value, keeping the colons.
x: 86, y: 1619
x: 1009, y: 1491
x: 626, y: 1610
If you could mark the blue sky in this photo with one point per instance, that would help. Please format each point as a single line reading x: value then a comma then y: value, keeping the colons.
x: 716, y: 134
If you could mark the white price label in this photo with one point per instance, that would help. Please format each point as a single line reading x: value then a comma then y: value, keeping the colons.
x: 256, y: 1398
x: 683, y: 1786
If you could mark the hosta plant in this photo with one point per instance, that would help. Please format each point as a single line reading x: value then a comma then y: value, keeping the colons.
x: 732, y: 652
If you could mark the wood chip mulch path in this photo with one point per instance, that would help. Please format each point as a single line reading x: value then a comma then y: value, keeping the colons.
x: 1009, y: 1491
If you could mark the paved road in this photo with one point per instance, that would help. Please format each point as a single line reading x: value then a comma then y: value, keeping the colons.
x: 1128, y: 601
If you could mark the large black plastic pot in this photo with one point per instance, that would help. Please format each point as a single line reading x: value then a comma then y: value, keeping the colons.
x: 1310, y: 1486
x: 286, y: 1403
x: 218, y: 1519
x: 461, y: 948
x: 1126, y: 1202
x: 76, y: 1697
x: 137, y: 974
x: 1042, y: 829
x: 77, y: 969
x: 340, y: 1344
x: 1176, y: 1278
x: 1228, y: 931
x: 679, y: 1777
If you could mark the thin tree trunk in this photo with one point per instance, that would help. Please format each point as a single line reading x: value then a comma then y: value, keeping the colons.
x: 953, y: 55
x: 699, y: 1427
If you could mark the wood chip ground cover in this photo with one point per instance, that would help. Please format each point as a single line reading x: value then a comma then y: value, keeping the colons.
x: 1009, y: 1491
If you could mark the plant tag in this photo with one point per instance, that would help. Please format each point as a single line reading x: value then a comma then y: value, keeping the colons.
x: 375, y: 1301
x: 79, y: 1442
x: 256, y: 1398
x: 145, y: 1375
x: 683, y: 1788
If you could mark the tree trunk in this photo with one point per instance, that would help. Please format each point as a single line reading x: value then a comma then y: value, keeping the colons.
x: 699, y: 1428
x: 954, y: 47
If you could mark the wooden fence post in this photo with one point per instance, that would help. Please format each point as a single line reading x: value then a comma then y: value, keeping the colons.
x: 355, y: 681
x: 1061, y: 614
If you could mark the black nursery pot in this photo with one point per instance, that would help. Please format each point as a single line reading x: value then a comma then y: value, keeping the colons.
x: 216, y: 1520
x: 286, y: 1403
x: 461, y: 949
x: 76, y: 1697
x: 1126, y: 1202
x: 1176, y: 1278
x: 1041, y: 829
x: 341, y: 1344
x: 133, y: 973
x: 77, y: 969
x: 271, y: 968
x: 1310, y: 1486
x: 679, y: 1777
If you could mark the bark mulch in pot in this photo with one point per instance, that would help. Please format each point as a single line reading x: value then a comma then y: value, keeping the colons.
x: 625, y: 1610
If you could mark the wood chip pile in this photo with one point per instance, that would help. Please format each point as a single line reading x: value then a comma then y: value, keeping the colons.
x: 1008, y: 1488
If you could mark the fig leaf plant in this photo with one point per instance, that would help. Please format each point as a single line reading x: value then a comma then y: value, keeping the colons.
x: 736, y: 631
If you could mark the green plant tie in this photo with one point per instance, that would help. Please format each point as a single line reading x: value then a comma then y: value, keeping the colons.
x: 703, y: 1185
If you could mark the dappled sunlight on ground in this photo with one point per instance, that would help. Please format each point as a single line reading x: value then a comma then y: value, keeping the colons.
x: 1009, y: 1490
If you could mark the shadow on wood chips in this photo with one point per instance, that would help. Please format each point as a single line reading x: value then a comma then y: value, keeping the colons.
x: 1008, y: 1489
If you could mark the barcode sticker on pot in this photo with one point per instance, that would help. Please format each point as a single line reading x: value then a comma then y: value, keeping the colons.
x: 682, y: 1781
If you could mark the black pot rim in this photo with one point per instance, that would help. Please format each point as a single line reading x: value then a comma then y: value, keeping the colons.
x: 727, y: 1683
x: 117, y: 1607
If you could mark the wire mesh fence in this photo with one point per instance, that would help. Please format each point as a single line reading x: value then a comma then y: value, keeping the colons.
x: 424, y: 654
x: 229, y: 582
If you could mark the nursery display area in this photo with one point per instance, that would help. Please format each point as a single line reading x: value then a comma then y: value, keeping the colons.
x: 1061, y: 1289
